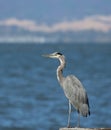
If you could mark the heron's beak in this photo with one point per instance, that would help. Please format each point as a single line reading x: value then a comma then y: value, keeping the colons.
x: 48, y: 55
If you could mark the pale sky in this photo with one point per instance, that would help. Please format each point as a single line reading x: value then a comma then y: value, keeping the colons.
x: 51, y: 11
x: 56, y: 15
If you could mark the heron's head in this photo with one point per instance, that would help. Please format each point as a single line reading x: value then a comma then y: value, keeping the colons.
x: 55, y: 55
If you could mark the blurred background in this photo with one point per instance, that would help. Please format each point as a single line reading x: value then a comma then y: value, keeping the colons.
x: 30, y: 95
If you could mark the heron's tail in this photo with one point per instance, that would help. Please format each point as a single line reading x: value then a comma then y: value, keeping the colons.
x: 84, y: 110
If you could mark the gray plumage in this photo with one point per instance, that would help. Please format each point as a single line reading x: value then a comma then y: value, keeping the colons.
x: 73, y: 89
x: 76, y: 94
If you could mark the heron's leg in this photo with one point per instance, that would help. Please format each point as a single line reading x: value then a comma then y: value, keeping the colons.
x: 78, y: 125
x: 69, y: 114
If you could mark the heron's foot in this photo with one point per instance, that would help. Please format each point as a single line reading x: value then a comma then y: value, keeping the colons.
x: 78, y: 126
x: 68, y: 126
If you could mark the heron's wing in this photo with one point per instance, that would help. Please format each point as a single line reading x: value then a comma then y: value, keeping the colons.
x: 75, y: 91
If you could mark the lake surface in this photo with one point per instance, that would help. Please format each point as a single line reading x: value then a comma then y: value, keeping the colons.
x: 31, y: 97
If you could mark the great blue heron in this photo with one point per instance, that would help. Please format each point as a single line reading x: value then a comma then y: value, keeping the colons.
x: 72, y: 88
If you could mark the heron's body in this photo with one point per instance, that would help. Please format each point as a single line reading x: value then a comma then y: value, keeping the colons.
x: 72, y: 88
x: 76, y: 94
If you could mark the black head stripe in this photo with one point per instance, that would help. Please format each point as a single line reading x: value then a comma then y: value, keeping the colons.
x: 59, y: 53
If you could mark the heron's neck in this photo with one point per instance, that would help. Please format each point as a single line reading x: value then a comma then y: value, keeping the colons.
x: 60, y: 69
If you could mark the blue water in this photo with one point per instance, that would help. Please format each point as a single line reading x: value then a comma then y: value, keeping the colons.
x: 30, y: 96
